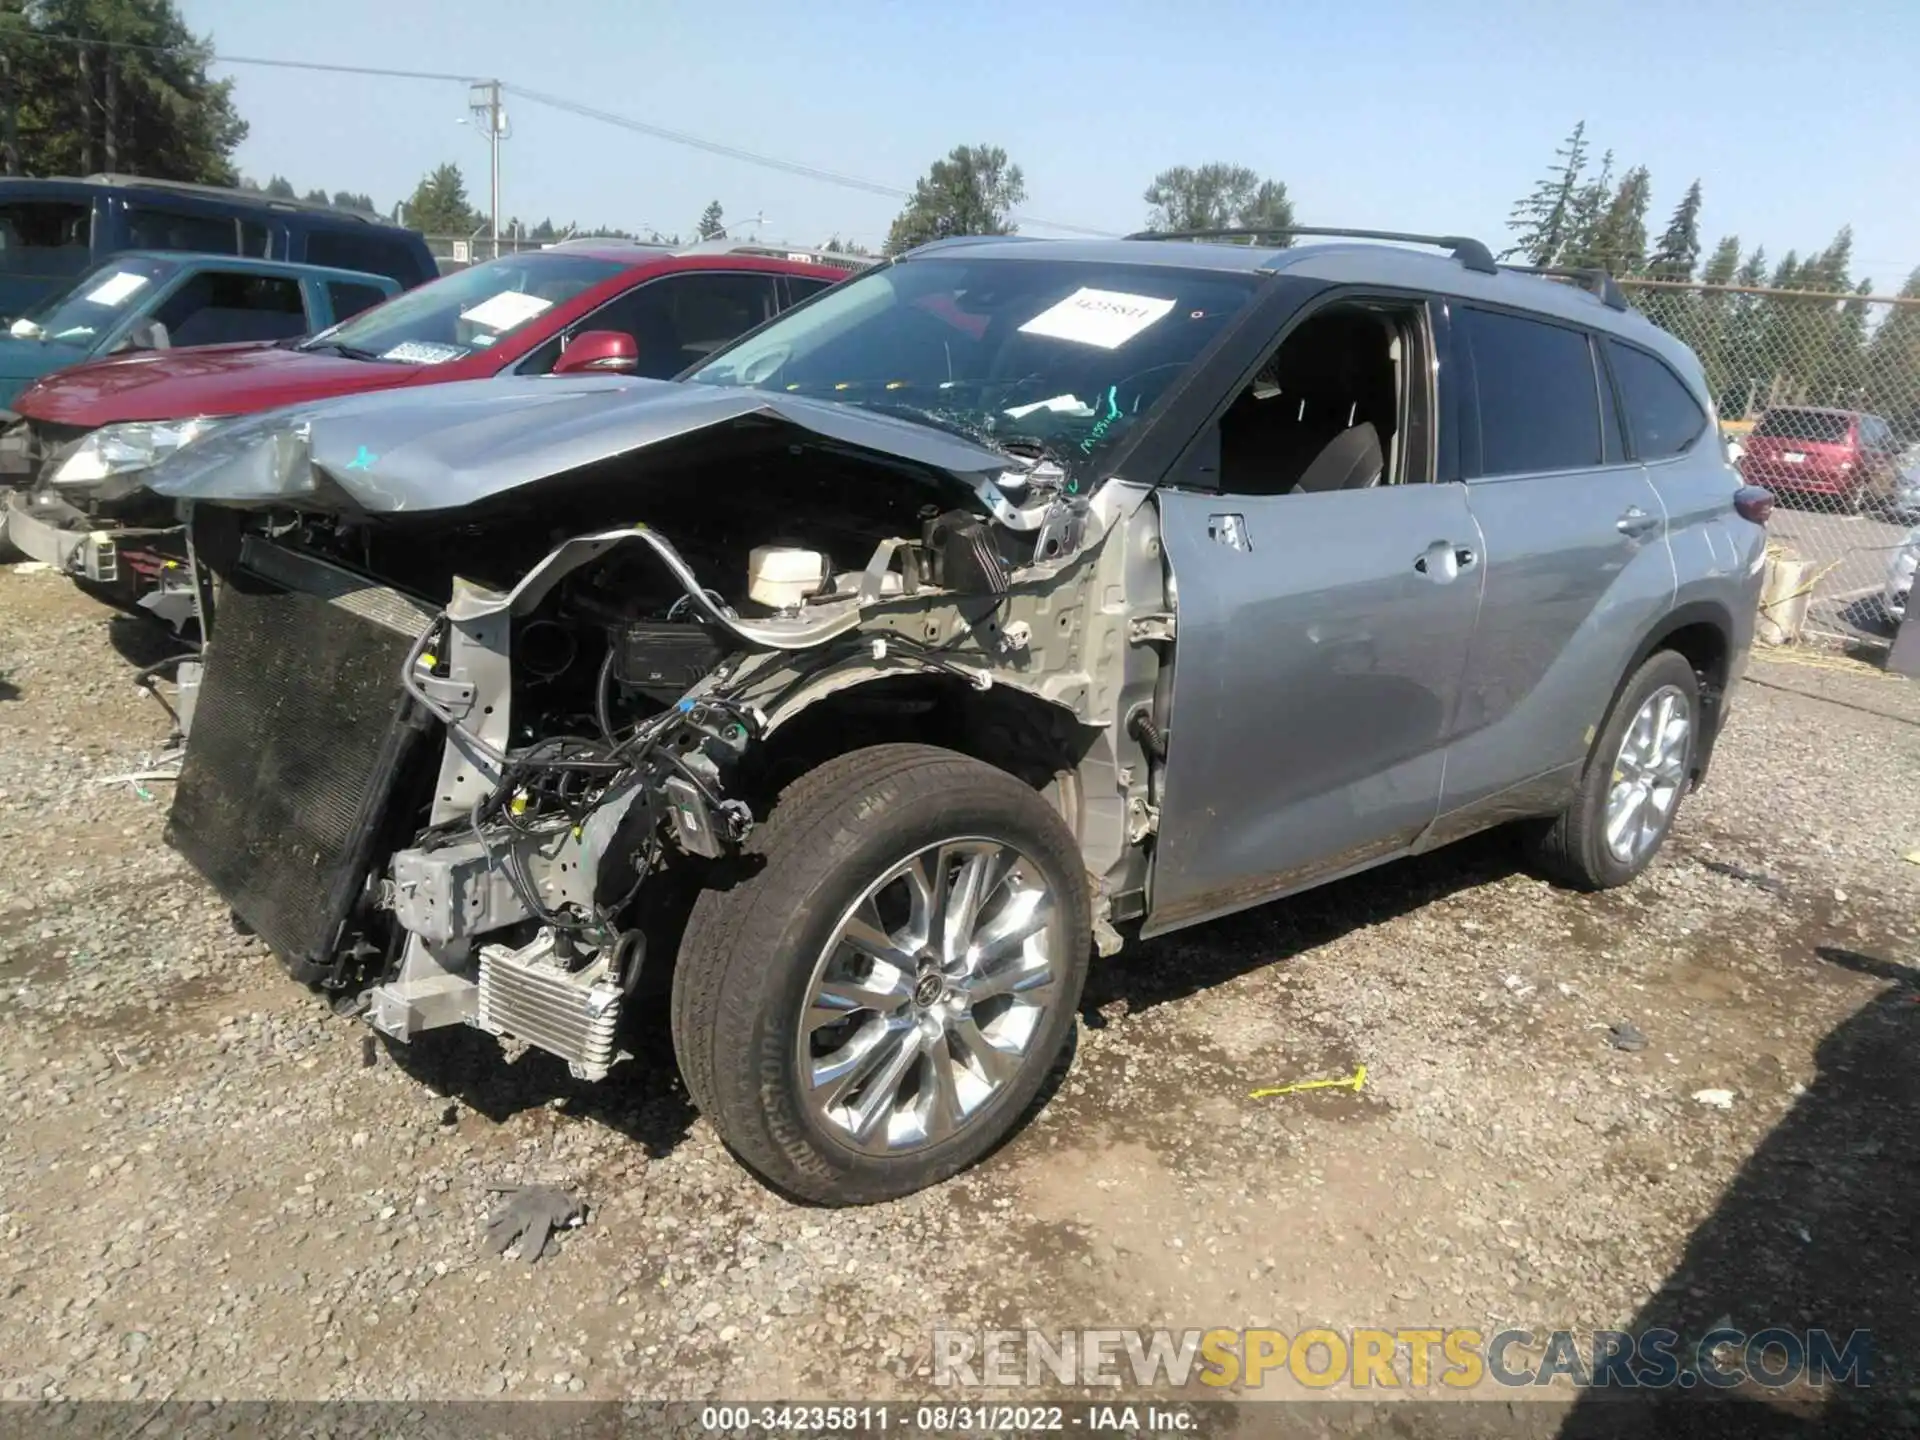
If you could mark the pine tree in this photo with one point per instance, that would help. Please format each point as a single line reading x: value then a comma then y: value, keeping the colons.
x: 439, y: 205
x: 1724, y: 263
x: 1893, y: 362
x: 1678, y: 249
x: 1540, y: 219
x: 1620, y: 240
x: 1745, y: 386
x: 1584, y: 214
x: 1709, y: 335
x: 713, y: 223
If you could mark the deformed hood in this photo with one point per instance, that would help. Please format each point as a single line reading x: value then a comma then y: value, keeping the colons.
x: 448, y: 446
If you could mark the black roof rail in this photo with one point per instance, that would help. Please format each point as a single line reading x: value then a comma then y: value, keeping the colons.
x: 232, y: 194
x: 1468, y: 251
x: 1594, y: 279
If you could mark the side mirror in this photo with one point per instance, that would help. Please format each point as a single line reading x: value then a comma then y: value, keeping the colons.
x: 594, y: 352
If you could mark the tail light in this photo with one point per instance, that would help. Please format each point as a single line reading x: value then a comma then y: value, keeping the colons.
x: 1754, y: 503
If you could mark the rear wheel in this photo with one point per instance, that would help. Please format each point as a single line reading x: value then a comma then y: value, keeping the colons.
x: 877, y: 1002
x: 1640, y: 766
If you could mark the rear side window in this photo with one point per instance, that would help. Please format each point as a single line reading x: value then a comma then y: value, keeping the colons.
x: 800, y: 287
x: 220, y: 308
x: 1822, y: 427
x: 372, y: 254
x: 349, y: 299
x: 151, y: 228
x: 1539, y: 403
x: 1662, y: 416
x: 45, y: 237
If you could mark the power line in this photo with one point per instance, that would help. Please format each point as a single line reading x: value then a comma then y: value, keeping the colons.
x: 212, y: 58
x: 754, y: 157
x: 558, y: 102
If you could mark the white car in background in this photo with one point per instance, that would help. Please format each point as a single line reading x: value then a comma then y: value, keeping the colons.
x: 1906, y: 560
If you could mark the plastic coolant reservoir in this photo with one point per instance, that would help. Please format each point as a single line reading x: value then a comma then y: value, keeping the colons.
x: 781, y: 576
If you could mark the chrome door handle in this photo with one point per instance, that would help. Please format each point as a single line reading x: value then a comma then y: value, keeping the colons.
x: 1635, y: 522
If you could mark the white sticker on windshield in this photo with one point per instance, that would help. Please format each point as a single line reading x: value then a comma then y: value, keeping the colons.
x: 422, y: 352
x: 506, y: 310
x: 1059, y: 405
x: 1106, y: 318
x: 116, y: 288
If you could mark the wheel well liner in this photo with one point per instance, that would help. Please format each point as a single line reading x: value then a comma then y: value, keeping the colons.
x: 1029, y: 738
x: 1702, y: 633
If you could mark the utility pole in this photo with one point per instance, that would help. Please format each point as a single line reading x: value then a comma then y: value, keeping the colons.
x: 484, y: 101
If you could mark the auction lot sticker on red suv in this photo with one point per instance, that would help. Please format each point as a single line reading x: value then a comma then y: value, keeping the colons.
x: 1106, y: 318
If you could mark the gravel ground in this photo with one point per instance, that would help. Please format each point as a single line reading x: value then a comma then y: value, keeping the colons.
x: 211, y: 1187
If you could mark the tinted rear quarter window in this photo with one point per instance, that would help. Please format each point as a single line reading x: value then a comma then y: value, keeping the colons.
x: 45, y: 237
x: 151, y: 228
x: 349, y: 299
x: 1539, y: 405
x: 372, y: 254
x: 1662, y: 416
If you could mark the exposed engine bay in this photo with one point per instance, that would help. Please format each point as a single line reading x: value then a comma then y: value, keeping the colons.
x: 461, y: 766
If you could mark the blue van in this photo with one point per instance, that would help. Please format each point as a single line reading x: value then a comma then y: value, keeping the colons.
x: 155, y: 300
x: 54, y: 231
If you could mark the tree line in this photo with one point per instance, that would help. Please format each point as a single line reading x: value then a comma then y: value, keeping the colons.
x: 975, y: 190
x: 1814, y: 343
x: 77, y: 97
x: 123, y: 85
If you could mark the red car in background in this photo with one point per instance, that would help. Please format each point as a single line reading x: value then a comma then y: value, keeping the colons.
x: 76, y: 450
x: 1844, y: 457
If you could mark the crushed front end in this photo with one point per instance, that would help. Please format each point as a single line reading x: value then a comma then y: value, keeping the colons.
x: 453, y: 764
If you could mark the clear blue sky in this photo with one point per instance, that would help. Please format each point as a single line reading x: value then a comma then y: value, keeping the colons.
x: 1384, y: 113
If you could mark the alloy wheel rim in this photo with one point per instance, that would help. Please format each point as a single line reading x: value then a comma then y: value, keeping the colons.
x: 926, y: 1001
x: 1648, y: 774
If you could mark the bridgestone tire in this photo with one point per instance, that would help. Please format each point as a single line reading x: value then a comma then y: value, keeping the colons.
x: 746, y: 964
x: 1572, y: 848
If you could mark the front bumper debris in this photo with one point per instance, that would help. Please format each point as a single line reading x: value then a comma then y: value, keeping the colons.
x: 37, y: 531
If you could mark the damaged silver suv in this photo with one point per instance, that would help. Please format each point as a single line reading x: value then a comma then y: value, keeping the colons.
x: 1001, y: 604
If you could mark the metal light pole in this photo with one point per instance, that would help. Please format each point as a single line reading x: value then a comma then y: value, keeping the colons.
x: 484, y: 101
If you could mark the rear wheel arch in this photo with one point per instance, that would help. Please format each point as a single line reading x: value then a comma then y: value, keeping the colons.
x: 1702, y: 633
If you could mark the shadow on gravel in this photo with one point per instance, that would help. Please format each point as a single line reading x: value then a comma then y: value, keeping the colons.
x: 1819, y: 1231
x: 141, y: 640
x: 642, y: 1099
x: 8, y: 690
x: 1154, y: 972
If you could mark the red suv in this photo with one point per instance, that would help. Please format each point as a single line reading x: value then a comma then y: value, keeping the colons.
x: 1805, y: 451
x: 85, y: 437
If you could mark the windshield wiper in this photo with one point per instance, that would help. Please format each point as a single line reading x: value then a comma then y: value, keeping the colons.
x: 352, y: 352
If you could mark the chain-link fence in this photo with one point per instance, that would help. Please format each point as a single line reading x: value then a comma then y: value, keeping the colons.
x: 1819, y: 399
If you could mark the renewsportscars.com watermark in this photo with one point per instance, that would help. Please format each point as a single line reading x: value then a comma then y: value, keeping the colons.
x: 1401, y: 1359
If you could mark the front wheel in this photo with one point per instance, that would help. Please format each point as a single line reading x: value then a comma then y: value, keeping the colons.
x: 874, y: 1004
x: 1640, y: 766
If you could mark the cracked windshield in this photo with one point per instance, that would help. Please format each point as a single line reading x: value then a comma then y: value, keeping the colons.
x: 1063, y: 356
